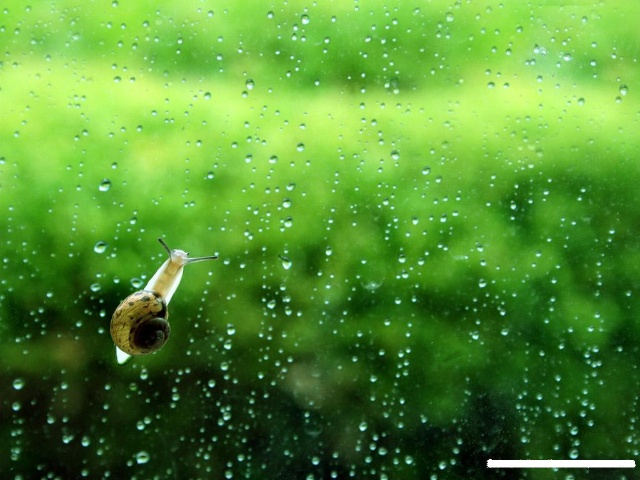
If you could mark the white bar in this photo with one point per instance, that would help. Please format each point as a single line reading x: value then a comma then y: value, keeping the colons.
x: 561, y: 463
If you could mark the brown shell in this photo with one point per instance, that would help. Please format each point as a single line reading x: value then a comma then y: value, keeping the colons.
x: 139, y: 325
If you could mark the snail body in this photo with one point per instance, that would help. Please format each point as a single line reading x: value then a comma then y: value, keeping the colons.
x: 140, y: 323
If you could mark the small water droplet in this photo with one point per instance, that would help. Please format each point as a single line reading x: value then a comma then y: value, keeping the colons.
x: 623, y: 90
x: 142, y: 457
x: 105, y: 185
x: 249, y: 84
x: 100, y: 247
x: 305, y: 19
x: 286, y: 262
x: 18, y: 384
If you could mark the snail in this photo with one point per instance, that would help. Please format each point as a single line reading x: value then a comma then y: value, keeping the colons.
x: 139, y: 325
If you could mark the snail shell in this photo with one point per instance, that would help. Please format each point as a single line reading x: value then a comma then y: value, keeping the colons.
x: 139, y: 325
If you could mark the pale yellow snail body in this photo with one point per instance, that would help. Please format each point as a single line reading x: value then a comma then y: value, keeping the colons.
x: 139, y: 325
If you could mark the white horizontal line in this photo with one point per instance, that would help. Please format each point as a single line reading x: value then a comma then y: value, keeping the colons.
x: 561, y: 463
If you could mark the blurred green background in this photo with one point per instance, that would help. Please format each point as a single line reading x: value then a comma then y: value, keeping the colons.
x: 426, y: 215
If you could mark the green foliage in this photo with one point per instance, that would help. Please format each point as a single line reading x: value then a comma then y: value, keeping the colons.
x: 426, y: 230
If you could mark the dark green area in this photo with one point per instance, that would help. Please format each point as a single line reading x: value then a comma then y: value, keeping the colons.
x: 426, y: 218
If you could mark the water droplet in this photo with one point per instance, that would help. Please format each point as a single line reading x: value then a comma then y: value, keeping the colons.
x: 286, y: 203
x: 286, y: 262
x: 393, y: 84
x: 426, y: 170
x: 449, y: 17
x: 105, y: 185
x: 624, y: 90
x: 142, y: 457
x: 249, y: 84
x: 18, y: 384
x: 482, y: 283
x: 305, y: 19
x: 372, y: 285
x: 100, y: 247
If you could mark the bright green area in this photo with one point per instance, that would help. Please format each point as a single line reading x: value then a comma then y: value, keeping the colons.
x: 426, y: 218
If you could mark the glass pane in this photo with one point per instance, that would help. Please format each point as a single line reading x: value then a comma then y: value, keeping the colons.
x: 424, y: 214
